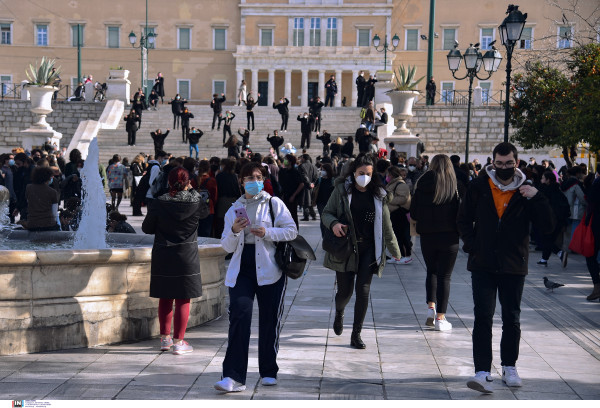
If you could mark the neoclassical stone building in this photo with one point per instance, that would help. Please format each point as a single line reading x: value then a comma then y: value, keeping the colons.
x: 279, y: 47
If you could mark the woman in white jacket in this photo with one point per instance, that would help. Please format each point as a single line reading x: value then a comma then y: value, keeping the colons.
x: 253, y: 272
x: 242, y: 93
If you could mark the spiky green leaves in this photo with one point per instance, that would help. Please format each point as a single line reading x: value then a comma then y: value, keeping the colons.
x: 42, y: 75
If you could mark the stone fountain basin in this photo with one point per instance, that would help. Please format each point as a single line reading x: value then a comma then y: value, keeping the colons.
x: 61, y: 299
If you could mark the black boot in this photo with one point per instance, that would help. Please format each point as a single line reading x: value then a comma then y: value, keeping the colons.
x: 355, y: 340
x: 595, y: 293
x: 338, y: 323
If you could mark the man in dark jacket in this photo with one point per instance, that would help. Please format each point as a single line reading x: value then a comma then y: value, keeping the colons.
x: 315, y: 106
x: 305, y: 130
x: 325, y: 138
x: 177, y: 106
x: 193, y: 139
x: 217, y: 106
x: 493, y: 223
x: 159, y: 140
x: 276, y: 141
x: 369, y: 91
x: 431, y: 88
x: 360, y: 88
x: 462, y: 178
x: 185, y: 124
x: 363, y: 138
x: 284, y: 111
x: 131, y: 127
x: 310, y: 176
x: 330, y: 91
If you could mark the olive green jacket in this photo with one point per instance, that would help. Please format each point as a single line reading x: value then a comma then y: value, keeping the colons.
x: 338, y: 207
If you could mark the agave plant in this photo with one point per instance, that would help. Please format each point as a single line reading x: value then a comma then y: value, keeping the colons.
x: 405, y: 79
x: 43, y: 74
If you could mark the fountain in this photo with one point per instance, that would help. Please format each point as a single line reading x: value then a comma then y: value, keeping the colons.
x: 94, y: 294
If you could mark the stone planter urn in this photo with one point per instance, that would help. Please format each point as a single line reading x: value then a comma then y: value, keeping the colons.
x: 118, y: 85
x: 41, y: 104
x: 403, y: 102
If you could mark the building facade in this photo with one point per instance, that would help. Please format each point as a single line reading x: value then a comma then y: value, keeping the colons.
x: 281, y: 48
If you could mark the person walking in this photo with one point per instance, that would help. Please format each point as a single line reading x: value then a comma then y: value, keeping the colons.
x: 325, y: 188
x: 116, y: 179
x: 229, y: 116
x: 242, y: 93
x: 177, y: 105
x: 493, y: 223
x: 284, y: 111
x: 358, y: 206
x: 292, y: 185
x: 399, y: 207
x: 175, y: 266
x: 193, y: 139
x: 310, y: 176
x: 360, y: 88
x: 137, y: 171
x: 250, y: 103
x: 186, y: 115
x: 217, y: 106
x: 560, y: 211
x: 159, y: 139
x: 572, y: 188
x: 431, y: 89
x: 593, y: 217
x: 131, y: 127
x: 331, y: 91
x: 253, y: 272
x: 228, y: 187
x: 304, y: 130
x: 434, y: 207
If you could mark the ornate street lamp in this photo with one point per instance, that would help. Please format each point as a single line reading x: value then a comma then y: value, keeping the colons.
x: 510, y: 33
x: 473, y: 62
x: 385, y: 46
x: 146, y: 41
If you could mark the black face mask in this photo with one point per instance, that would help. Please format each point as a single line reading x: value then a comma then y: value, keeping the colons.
x: 505, y: 174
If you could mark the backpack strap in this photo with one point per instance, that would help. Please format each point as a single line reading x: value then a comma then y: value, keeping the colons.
x: 272, y: 217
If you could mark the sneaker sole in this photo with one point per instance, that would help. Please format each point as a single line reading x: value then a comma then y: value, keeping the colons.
x: 474, y: 385
x: 515, y: 385
x: 179, y: 352
x: 236, y: 389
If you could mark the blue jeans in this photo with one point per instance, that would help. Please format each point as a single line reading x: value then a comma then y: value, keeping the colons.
x: 192, y: 147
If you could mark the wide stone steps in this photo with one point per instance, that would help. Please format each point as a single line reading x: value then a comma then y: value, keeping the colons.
x: 340, y: 122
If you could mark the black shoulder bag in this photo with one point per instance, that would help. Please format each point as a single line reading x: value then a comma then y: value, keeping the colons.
x: 291, y: 256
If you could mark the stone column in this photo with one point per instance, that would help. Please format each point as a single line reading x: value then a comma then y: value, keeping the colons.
x: 337, y: 102
x: 271, y: 92
x: 321, y: 91
x: 354, y: 98
x: 288, y: 85
x: 254, y: 84
x: 304, y: 92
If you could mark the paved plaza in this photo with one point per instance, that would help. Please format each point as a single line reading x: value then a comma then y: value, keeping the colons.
x: 404, y: 359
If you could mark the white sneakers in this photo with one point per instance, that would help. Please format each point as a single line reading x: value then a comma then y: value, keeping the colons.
x: 442, y: 325
x: 482, y: 382
x: 268, y: 381
x: 228, y: 384
x: 510, y: 376
x: 430, y: 317
x: 405, y: 260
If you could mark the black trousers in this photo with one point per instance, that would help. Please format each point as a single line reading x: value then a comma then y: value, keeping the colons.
x: 549, y: 242
x: 305, y: 138
x: 329, y: 99
x: 317, y: 122
x: 270, y: 310
x: 176, y: 120
x: 439, y: 251
x: 284, y: 120
x: 226, y: 130
x: 325, y: 150
x: 345, y: 284
x: 216, y: 116
x: 131, y: 136
x: 359, y: 98
x: 401, y: 228
x: 185, y: 132
x: 250, y: 115
x: 510, y: 290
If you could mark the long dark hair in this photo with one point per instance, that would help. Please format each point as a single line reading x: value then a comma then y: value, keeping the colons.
x: 375, y: 186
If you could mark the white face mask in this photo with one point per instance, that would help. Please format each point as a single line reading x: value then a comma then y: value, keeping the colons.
x: 363, y: 180
x: 323, y: 173
x: 412, y: 168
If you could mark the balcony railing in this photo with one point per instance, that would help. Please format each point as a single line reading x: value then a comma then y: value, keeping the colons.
x: 461, y: 97
x: 9, y: 91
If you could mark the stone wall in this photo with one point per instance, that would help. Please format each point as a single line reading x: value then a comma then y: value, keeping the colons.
x: 15, y: 117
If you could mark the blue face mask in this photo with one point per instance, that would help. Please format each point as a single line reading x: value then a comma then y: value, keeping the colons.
x: 253, y: 187
x: 11, y: 162
x: 162, y: 163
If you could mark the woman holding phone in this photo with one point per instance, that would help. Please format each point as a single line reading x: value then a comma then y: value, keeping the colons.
x: 364, y: 215
x: 251, y: 234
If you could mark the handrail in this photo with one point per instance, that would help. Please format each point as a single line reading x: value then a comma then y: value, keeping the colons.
x: 456, y: 97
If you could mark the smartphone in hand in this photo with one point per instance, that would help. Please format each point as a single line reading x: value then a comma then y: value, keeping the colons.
x: 241, y: 212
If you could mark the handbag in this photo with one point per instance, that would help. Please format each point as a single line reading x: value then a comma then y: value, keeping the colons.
x: 583, y: 238
x: 338, y: 247
x: 291, y: 256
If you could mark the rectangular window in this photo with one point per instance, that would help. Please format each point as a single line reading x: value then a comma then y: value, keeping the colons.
x: 74, y: 38
x: 266, y: 37
x: 184, y: 38
x: 447, y: 92
x: 183, y: 88
x: 298, y: 32
x: 412, y: 40
x: 6, y: 81
x: 331, y: 33
x: 220, y: 38
x: 565, y: 37
x: 486, y: 88
x: 219, y: 87
x: 364, y: 37
x: 113, y: 37
x: 526, y: 38
x: 449, y: 38
x: 487, y: 36
x: 148, y: 31
x: 6, y: 30
x: 315, y: 31
x: 41, y: 35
